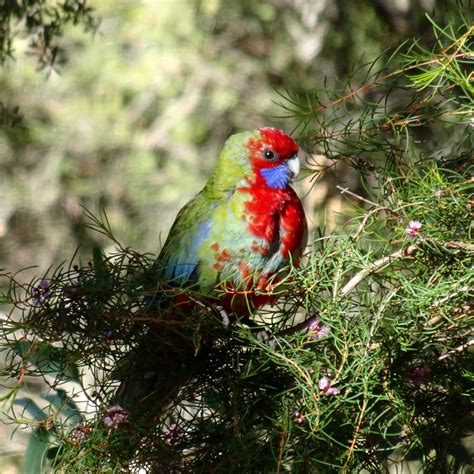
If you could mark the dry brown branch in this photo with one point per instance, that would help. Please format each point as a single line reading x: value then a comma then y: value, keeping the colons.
x: 457, y: 350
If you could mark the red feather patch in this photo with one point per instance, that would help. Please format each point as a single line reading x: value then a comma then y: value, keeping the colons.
x: 276, y: 214
x: 271, y: 213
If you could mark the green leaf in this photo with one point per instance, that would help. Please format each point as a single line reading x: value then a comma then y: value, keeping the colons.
x: 64, y: 405
x: 36, y: 451
x: 50, y: 360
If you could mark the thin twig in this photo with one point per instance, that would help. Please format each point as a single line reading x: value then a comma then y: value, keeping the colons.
x: 298, y: 327
x: 457, y: 350
x: 376, y: 266
x: 345, y: 468
x: 346, y: 191
x: 443, y: 300
x: 281, y: 446
x: 366, y: 87
x: 367, y: 216
x: 406, y: 252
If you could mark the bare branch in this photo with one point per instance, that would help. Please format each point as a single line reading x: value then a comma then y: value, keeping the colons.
x: 457, y: 350
x: 346, y: 191
x: 376, y: 266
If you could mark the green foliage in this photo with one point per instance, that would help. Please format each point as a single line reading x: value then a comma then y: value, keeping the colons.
x: 43, y: 22
x: 395, y: 348
x: 448, y: 69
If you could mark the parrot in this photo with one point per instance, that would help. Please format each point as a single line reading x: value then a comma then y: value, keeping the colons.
x: 244, y: 227
x: 232, y: 242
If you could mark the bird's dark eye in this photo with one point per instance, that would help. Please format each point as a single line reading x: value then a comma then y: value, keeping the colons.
x: 268, y: 154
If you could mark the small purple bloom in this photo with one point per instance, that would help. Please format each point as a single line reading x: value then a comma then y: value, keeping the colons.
x: 322, y: 332
x: 80, y: 432
x: 316, y: 330
x: 438, y: 193
x: 313, y: 324
x: 326, y: 387
x: 109, y: 335
x: 171, y: 433
x: 413, y: 229
x: 299, y: 418
x: 41, y: 293
x: 115, y: 416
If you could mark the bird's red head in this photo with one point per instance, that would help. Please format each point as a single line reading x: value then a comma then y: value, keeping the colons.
x: 272, y: 146
x: 274, y: 157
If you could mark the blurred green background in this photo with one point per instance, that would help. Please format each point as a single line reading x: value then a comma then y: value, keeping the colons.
x: 131, y: 117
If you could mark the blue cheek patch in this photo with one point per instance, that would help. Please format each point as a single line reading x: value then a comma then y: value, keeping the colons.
x: 278, y: 177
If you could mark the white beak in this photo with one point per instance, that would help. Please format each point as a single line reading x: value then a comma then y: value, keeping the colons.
x: 294, y: 166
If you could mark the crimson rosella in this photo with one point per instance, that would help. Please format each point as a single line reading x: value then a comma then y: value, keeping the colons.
x: 244, y: 227
x: 232, y: 242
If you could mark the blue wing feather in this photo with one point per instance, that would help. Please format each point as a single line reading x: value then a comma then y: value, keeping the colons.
x: 183, y: 266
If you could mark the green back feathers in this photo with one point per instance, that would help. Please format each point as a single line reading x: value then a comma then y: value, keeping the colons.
x: 232, y: 166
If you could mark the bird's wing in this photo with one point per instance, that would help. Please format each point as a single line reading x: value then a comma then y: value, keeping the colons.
x: 293, y: 228
x: 180, y: 253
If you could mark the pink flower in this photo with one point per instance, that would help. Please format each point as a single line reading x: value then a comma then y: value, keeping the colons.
x: 325, y: 387
x: 80, y: 432
x: 171, y: 433
x: 413, y: 229
x: 115, y: 416
x: 316, y: 330
x: 299, y: 418
x: 438, y: 193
